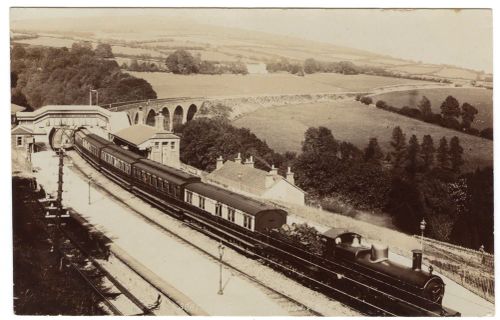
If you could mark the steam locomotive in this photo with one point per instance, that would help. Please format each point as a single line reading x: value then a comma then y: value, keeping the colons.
x: 345, y: 262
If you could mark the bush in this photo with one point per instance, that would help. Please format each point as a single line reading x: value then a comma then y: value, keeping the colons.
x: 487, y: 133
x: 366, y: 100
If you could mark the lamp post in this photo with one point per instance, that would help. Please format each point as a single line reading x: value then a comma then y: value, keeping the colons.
x: 90, y: 180
x: 221, y: 254
x: 422, y: 229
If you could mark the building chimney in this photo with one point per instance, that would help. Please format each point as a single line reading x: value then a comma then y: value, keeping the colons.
x: 269, y: 180
x: 417, y: 260
x: 249, y: 162
x: 274, y: 170
x: 219, y: 163
x: 289, y: 176
x: 159, y: 121
x: 238, y: 158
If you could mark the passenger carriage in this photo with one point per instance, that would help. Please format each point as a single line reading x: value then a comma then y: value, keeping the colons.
x: 166, y: 183
x: 237, y: 209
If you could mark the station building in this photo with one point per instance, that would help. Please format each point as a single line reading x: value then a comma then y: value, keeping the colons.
x: 154, y: 143
x: 243, y: 177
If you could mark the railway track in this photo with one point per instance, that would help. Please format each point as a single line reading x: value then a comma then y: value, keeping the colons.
x: 296, y: 307
x: 349, y: 299
x: 114, y: 292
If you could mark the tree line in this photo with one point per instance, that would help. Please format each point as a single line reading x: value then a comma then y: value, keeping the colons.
x: 42, y: 76
x: 183, y: 62
x: 311, y: 65
x: 452, y: 115
x: 411, y: 181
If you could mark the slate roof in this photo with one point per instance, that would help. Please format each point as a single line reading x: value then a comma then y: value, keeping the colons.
x: 251, y: 177
x: 140, y: 133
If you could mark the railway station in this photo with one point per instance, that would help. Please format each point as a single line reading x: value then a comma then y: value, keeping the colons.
x: 145, y: 160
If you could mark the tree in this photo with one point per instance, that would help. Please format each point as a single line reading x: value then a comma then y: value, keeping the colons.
x: 61, y: 76
x: 442, y: 157
x: 181, y: 62
x: 450, y: 108
x: 320, y: 141
x: 487, y: 133
x: 82, y: 48
x: 18, y: 52
x: 311, y: 66
x: 373, y: 153
x: 366, y: 100
x: 103, y: 50
x: 134, y: 65
x: 427, y: 151
x: 413, y: 160
x: 13, y: 79
x: 349, y: 152
x: 456, y: 152
x: 398, y: 143
x: 468, y: 114
x: 425, y: 108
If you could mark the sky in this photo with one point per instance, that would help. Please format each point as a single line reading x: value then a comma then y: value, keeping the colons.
x: 441, y: 36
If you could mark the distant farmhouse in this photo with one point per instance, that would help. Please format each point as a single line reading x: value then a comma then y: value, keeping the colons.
x: 256, y: 68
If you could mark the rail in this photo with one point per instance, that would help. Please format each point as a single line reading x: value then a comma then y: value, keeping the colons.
x: 318, y: 283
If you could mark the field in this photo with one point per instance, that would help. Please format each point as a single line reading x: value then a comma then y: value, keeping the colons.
x: 171, y: 85
x: 482, y: 99
x: 283, y: 127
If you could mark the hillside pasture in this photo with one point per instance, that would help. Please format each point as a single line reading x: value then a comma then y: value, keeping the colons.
x: 481, y: 98
x: 283, y: 128
x: 171, y: 85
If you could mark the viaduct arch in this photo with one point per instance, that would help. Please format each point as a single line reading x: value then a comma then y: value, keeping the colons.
x: 175, y: 111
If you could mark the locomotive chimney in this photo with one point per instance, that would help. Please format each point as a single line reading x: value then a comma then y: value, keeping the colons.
x: 417, y: 260
x: 219, y: 163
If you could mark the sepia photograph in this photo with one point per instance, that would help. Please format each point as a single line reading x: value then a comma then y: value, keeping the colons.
x: 223, y: 161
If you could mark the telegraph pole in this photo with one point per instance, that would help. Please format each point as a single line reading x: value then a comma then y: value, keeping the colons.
x: 59, y: 204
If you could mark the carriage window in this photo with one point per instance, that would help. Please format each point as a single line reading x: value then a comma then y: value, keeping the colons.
x: 172, y: 146
x: 154, y: 181
x: 230, y: 214
x: 166, y: 186
x: 218, y: 209
x: 157, y: 145
x: 19, y: 141
x: 189, y: 197
x: 160, y: 183
x: 201, y: 203
x: 247, y: 222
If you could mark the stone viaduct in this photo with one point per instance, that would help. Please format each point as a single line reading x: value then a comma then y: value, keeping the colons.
x: 175, y: 111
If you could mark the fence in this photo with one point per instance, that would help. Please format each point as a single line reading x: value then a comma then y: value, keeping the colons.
x: 461, y: 272
x: 475, y: 282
